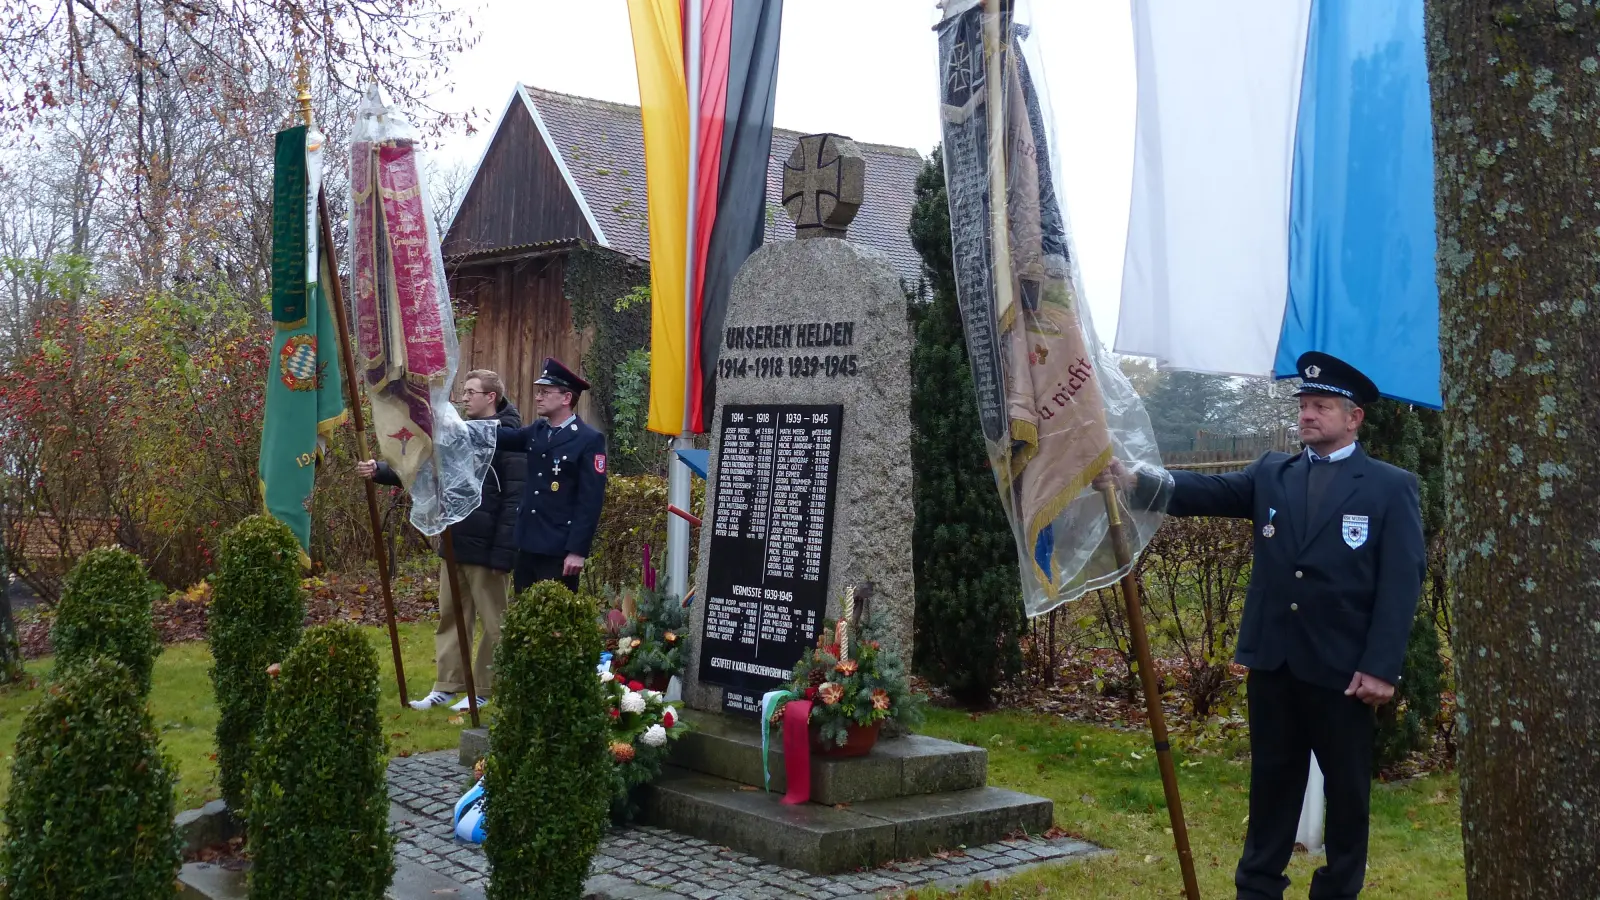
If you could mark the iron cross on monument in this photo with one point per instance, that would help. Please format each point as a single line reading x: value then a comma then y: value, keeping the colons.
x: 822, y: 185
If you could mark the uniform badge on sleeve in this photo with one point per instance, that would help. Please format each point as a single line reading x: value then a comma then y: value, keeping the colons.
x: 600, y: 463
x: 1355, y: 531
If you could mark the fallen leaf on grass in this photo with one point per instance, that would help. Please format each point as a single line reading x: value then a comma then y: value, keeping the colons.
x: 456, y: 720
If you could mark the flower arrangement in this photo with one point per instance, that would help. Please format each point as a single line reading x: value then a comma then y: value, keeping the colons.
x: 642, y: 726
x: 851, y: 679
x: 653, y: 643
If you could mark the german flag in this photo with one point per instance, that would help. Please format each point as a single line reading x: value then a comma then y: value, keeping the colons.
x: 708, y: 74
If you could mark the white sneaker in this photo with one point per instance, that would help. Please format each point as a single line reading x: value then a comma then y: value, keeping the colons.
x: 461, y: 705
x: 437, y: 698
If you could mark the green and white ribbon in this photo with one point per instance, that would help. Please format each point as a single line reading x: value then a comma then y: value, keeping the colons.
x: 769, y: 702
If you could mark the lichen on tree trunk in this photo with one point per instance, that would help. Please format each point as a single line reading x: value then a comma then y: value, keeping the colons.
x: 1516, y: 112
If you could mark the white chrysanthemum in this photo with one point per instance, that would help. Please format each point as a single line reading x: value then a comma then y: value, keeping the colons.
x: 633, y: 702
x: 606, y: 677
x: 654, y: 736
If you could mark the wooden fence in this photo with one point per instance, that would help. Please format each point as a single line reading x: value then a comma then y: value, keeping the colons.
x: 1214, y: 453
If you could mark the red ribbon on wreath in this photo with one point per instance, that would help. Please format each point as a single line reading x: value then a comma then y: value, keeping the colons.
x: 797, y: 750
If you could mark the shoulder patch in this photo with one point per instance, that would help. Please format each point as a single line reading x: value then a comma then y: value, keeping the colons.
x: 600, y: 463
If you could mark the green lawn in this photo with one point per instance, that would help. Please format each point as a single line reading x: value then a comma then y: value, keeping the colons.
x: 185, y: 709
x: 1104, y: 783
x: 1106, y: 794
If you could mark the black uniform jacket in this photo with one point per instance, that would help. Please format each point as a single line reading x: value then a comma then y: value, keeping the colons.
x: 485, y: 537
x: 1333, y: 593
x: 566, y: 486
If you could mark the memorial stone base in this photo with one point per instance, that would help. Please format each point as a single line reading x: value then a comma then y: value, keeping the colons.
x: 910, y: 797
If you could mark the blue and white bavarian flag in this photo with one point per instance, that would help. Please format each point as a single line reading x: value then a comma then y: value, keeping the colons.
x: 1283, y: 190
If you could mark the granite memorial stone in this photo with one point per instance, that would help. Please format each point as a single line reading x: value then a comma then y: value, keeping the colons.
x: 810, y: 473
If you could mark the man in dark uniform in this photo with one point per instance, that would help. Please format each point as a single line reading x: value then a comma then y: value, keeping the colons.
x: 566, y: 482
x: 1339, y: 563
x: 485, y: 551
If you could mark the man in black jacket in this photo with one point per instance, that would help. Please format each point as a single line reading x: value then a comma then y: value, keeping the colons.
x: 485, y: 550
x: 1339, y: 560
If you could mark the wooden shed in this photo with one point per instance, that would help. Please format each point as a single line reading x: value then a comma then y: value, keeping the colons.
x: 553, y: 232
x: 525, y: 302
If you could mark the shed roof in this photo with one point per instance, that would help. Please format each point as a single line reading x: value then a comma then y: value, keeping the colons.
x: 601, y: 145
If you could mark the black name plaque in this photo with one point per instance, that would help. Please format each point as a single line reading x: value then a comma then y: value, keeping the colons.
x: 771, y: 526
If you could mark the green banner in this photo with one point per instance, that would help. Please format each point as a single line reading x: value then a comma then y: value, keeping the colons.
x: 305, y: 392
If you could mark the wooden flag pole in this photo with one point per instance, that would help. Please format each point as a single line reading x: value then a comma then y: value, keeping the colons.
x: 447, y: 548
x: 1152, y: 690
x: 353, y: 397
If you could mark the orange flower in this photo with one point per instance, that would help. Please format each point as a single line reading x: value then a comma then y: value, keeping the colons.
x: 847, y: 667
x: 622, y: 751
x: 670, y: 636
x: 274, y: 669
x: 831, y: 693
x: 880, y: 699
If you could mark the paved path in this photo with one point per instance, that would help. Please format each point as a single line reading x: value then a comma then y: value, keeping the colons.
x: 645, y: 863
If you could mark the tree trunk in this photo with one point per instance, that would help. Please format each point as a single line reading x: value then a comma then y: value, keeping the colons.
x: 11, y: 670
x: 1516, y: 111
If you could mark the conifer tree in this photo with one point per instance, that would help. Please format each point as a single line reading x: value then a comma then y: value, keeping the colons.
x: 969, y: 615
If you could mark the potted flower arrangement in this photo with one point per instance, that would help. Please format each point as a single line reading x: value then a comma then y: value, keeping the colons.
x: 642, y: 726
x: 854, y: 684
x: 653, y: 643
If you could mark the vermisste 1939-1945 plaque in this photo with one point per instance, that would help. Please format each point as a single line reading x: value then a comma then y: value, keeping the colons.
x: 767, y: 575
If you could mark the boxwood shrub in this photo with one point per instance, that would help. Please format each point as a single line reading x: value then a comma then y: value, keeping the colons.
x: 105, y: 612
x: 89, y: 812
x: 257, y: 608
x: 319, y: 807
x: 548, y: 776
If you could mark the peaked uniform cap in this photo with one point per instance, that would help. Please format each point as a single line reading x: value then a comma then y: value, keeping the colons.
x: 557, y: 375
x: 1321, y: 373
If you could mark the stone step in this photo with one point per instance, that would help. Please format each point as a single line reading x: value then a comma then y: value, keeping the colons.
x: 730, y: 747
x: 474, y: 745
x: 204, y: 881
x: 823, y: 839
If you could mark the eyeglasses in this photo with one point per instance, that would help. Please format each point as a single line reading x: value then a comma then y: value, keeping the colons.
x: 469, y: 392
x: 547, y: 392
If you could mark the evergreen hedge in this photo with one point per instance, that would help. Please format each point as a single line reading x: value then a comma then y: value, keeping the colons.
x: 969, y: 618
x: 548, y: 775
x: 89, y: 812
x: 319, y: 806
x: 1413, y: 439
x: 257, y: 609
x: 105, y: 612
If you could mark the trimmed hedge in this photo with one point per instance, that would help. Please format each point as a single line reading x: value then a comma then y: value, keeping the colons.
x: 105, y: 612
x: 319, y: 807
x: 257, y: 609
x: 548, y: 777
x: 89, y: 813
x: 635, y: 514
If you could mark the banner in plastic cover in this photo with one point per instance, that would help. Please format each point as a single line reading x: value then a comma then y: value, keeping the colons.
x: 1053, y: 405
x: 406, y: 346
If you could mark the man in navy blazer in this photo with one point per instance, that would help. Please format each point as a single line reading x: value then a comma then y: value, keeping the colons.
x: 566, y: 484
x: 1339, y: 561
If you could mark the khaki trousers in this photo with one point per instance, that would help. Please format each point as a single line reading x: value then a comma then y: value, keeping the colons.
x: 485, y: 591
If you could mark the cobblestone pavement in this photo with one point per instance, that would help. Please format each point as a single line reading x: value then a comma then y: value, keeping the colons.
x: 645, y: 863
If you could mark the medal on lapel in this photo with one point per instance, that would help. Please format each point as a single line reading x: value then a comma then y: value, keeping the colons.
x: 555, y: 485
x: 1268, y: 530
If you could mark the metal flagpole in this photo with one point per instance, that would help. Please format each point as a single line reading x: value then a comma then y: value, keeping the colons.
x: 353, y: 397
x: 678, y: 486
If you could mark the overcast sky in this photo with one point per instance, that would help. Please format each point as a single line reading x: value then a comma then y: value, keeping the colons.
x: 863, y: 68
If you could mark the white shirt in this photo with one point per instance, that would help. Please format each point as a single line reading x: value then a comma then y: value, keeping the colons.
x: 1341, y: 453
x: 566, y: 423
